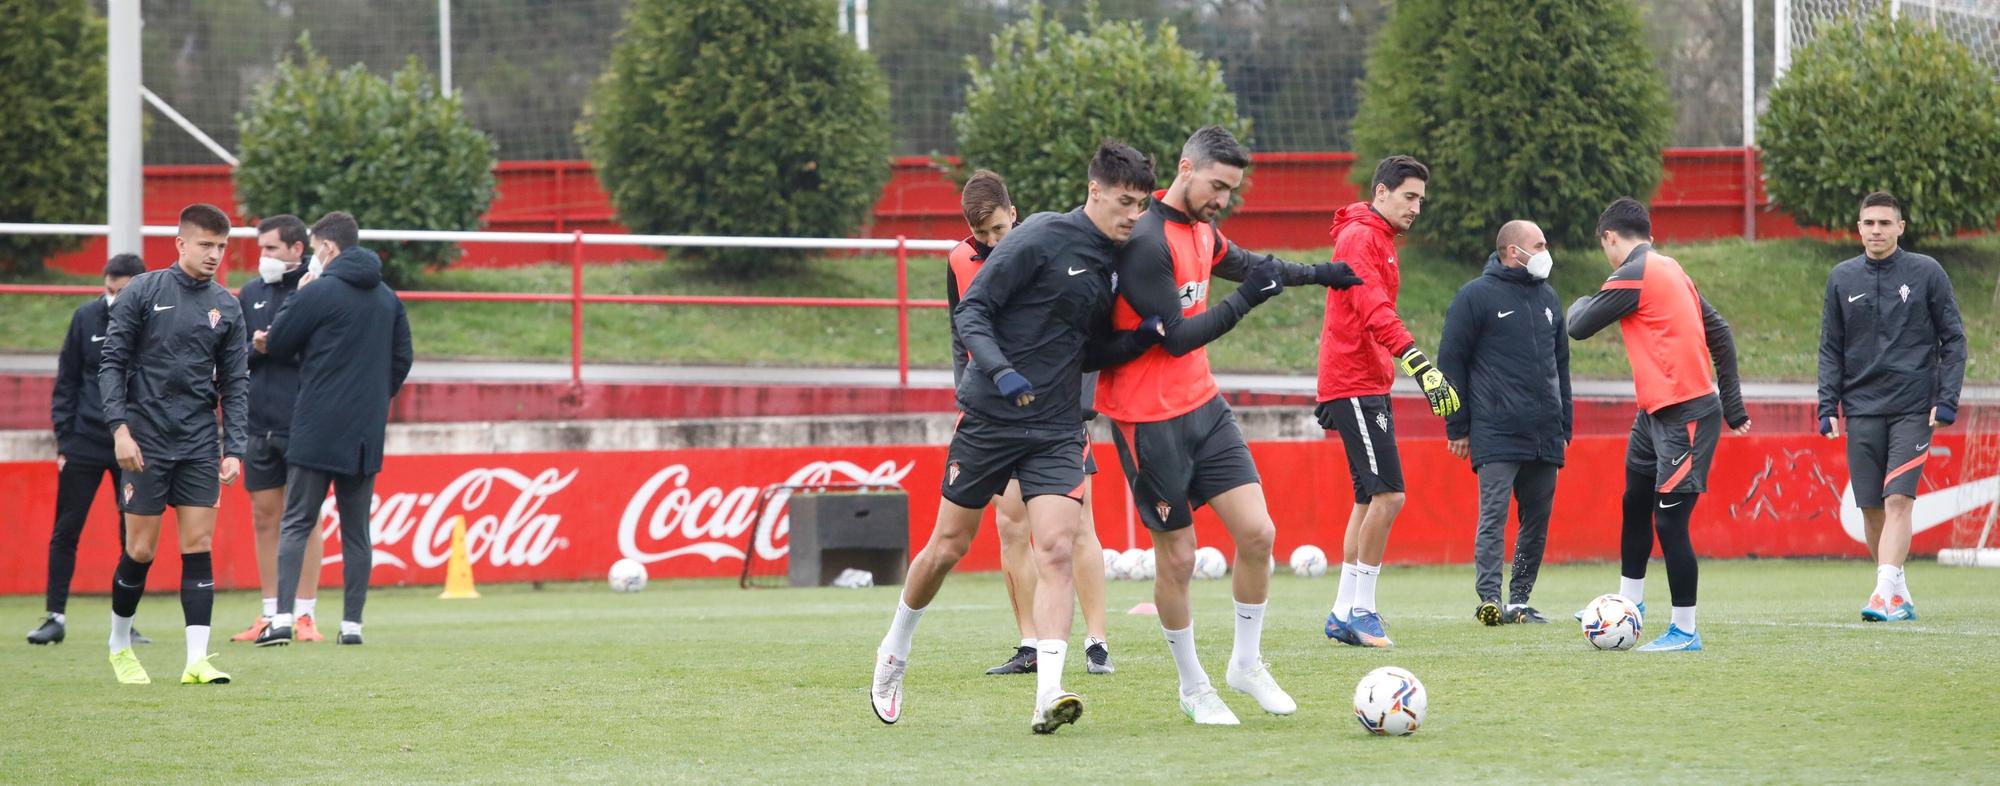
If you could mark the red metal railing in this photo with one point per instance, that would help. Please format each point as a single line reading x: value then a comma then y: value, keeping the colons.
x: 577, y: 297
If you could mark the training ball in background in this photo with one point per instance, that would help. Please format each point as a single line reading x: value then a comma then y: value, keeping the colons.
x: 1308, y: 561
x: 627, y: 575
x: 1390, y: 701
x: 1146, y: 565
x: 1111, y: 565
x: 1611, y: 623
x: 1209, y: 563
x: 1128, y: 564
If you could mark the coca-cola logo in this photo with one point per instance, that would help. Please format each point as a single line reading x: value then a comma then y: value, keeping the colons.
x: 666, y: 518
x: 519, y: 535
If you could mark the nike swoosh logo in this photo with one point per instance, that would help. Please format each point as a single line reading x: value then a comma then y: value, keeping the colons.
x: 1664, y: 506
x: 95, y: 339
x: 1925, y: 445
x: 161, y: 308
x: 1269, y: 287
x: 121, y: 582
x: 1857, y: 297
x: 1244, y: 616
x: 1938, y: 506
x: 1504, y: 314
x: 1077, y: 272
x: 260, y: 303
x: 1684, y: 457
x: 200, y: 585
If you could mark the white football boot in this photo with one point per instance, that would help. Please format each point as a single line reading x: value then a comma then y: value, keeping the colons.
x: 887, y: 695
x: 1050, y: 715
x: 1258, y: 683
x: 1205, y: 707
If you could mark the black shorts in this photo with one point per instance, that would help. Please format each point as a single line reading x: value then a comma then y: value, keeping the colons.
x: 1179, y: 464
x: 983, y: 456
x: 1886, y: 454
x: 190, y: 482
x: 264, y: 463
x: 1367, y: 429
x: 1676, y: 445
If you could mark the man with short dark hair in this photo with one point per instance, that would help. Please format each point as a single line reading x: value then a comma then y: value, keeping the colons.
x: 351, y: 338
x: 83, y: 442
x: 175, y: 345
x: 1684, y: 377
x: 274, y: 388
x: 1892, y: 360
x: 1031, y: 322
x: 1361, y: 343
x: 1177, y: 438
x: 1509, y: 355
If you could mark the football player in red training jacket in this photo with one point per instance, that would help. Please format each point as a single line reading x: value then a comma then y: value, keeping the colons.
x: 1361, y: 338
x: 989, y: 211
x: 1684, y: 375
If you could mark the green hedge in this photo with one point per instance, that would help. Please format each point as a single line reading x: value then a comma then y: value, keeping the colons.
x: 52, y: 143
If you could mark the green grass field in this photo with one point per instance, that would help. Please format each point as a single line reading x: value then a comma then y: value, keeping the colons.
x: 703, y: 682
x: 1770, y: 291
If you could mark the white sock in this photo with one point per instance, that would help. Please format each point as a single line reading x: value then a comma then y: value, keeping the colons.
x: 350, y: 628
x: 1633, y: 589
x: 270, y: 608
x: 901, y: 629
x: 1684, y: 618
x: 197, y: 639
x: 121, y: 632
x: 306, y: 606
x: 1249, y: 636
x: 1049, y: 655
x: 1181, y: 644
x: 1343, y: 603
x: 1092, y: 641
x: 281, y: 620
x: 59, y: 617
x: 1027, y: 642
x: 1885, y: 581
x: 1364, y: 585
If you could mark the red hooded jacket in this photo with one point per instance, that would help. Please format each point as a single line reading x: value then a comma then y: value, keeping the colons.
x: 1362, y: 333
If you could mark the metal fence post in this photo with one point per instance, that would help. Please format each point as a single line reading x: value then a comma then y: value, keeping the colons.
x: 576, y: 309
x: 902, y: 311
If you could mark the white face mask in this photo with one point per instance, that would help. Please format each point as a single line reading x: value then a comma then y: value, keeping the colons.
x: 315, y: 267
x: 110, y: 300
x: 1540, y: 264
x: 271, y: 270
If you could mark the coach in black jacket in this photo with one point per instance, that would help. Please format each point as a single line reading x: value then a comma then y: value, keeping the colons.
x: 1505, y: 348
x: 83, y: 442
x: 352, y: 339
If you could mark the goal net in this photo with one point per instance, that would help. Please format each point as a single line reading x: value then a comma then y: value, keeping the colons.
x: 1972, y: 23
x: 1974, y: 541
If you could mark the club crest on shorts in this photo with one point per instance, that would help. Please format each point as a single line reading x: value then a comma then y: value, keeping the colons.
x: 951, y: 474
x: 1382, y: 422
x: 214, y: 317
x: 128, y: 492
x: 1163, y: 509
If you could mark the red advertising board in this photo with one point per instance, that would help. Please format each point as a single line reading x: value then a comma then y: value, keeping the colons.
x: 689, y: 513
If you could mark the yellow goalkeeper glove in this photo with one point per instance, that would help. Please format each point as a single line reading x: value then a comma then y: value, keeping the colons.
x: 1443, y: 397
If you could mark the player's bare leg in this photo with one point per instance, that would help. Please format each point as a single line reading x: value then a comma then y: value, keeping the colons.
x: 1088, y: 557
x: 1872, y: 521
x: 1248, y: 518
x: 1363, y: 623
x: 950, y: 539
x: 1017, y: 568
x: 1053, y: 520
x: 1891, y: 547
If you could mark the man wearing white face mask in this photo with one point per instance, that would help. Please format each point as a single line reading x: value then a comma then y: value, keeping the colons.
x: 1505, y: 348
x: 274, y: 389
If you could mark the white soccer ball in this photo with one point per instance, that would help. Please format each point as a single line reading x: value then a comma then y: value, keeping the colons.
x: 1390, y: 701
x: 1308, y: 561
x: 1146, y: 565
x: 1611, y: 623
x: 1128, y: 564
x: 627, y: 575
x: 1111, y: 565
x: 1209, y: 563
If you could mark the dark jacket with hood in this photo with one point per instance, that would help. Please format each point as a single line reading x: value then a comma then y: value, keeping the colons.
x: 1506, y: 349
x: 351, y: 338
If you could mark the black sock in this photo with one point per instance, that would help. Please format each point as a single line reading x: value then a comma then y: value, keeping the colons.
x: 1671, y: 519
x: 1635, y: 544
x: 197, y: 587
x: 128, y: 585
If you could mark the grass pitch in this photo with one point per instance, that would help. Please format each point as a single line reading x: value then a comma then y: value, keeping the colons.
x: 703, y: 682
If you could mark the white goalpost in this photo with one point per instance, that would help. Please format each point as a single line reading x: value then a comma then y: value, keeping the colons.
x: 1973, y: 23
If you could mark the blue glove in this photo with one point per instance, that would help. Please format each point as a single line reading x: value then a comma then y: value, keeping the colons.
x: 1150, y: 331
x: 1944, y: 415
x: 1015, y: 388
x: 1826, y: 426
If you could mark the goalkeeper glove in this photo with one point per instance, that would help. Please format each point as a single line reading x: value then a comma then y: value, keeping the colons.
x: 1443, y: 397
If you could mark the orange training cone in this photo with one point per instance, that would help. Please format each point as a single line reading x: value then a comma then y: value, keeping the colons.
x: 458, y: 572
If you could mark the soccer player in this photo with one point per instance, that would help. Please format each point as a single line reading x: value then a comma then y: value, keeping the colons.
x: 1176, y: 436
x: 1892, y: 359
x: 1362, y: 335
x: 1031, y: 322
x: 351, y: 338
x: 990, y: 213
x: 1684, y: 374
x: 1510, y: 356
x: 274, y: 389
x: 174, y: 345
x: 83, y: 443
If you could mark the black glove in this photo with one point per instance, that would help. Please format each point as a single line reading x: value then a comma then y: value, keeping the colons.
x: 1262, y: 282
x: 1336, y: 275
x: 1150, y: 332
x: 1825, y: 426
x: 1324, y: 413
x: 1015, y: 388
x: 1945, y: 415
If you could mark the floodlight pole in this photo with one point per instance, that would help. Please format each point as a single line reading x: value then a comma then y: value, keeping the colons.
x: 1749, y: 119
x: 444, y: 45
x: 125, y: 151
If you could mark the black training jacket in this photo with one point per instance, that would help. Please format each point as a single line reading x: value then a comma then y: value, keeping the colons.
x: 173, y: 348
x: 1506, y: 349
x: 351, y: 338
x: 76, y: 406
x: 1890, y: 338
x: 1041, y: 306
x: 274, y: 383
